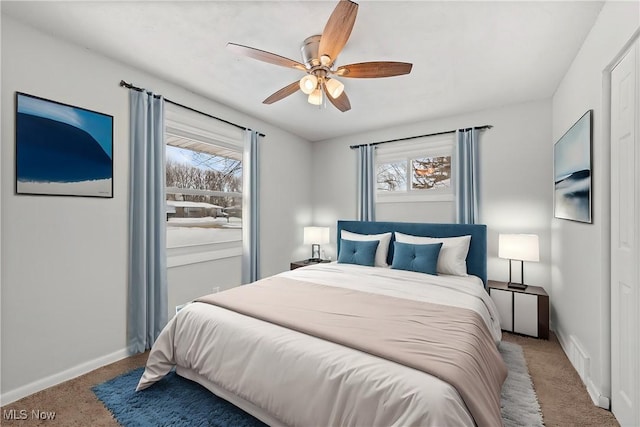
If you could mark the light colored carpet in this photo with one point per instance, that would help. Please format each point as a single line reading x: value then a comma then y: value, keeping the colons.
x: 562, y: 395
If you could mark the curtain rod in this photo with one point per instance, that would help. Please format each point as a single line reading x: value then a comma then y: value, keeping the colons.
x: 139, y: 89
x: 420, y: 136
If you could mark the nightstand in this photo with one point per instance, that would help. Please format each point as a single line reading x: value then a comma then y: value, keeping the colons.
x: 521, y: 311
x: 305, y: 262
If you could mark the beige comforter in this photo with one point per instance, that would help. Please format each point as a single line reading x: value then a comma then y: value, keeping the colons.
x: 288, y: 378
x: 447, y: 342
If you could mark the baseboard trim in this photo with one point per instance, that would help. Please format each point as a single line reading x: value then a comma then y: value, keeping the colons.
x: 66, y: 375
x: 597, y: 397
x: 594, y: 393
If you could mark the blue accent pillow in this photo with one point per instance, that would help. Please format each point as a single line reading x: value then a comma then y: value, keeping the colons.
x: 420, y: 258
x: 358, y: 252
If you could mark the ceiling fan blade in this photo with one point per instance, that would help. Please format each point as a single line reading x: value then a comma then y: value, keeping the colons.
x: 262, y: 55
x: 341, y: 103
x: 370, y: 70
x: 283, y: 93
x: 337, y: 30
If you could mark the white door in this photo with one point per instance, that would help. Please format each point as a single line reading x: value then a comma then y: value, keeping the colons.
x: 625, y: 224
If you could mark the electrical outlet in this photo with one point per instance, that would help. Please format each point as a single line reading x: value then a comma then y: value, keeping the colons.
x: 216, y: 289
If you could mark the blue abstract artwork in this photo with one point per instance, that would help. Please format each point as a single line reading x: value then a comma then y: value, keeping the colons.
x: 572, y: 172
x: 62, y: 149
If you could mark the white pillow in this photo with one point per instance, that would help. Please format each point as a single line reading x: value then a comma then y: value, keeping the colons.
x: 383, y: 246
x: 453, y: 255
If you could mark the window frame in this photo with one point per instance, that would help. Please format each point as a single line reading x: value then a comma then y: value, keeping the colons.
x: 407, y: 151
x: 181, y: 122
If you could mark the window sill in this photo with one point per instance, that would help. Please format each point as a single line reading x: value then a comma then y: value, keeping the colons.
x: 198, y: 246
x: 193, y: 254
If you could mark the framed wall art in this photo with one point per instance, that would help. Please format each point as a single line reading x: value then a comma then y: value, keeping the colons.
x: 62, y: 150
x: 572, y: 172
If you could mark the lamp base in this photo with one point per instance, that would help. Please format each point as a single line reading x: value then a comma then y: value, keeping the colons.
x: 520, y: 286
x: 315, y: 252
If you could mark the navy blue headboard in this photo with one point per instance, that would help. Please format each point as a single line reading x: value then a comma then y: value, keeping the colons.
x: 476, y: 258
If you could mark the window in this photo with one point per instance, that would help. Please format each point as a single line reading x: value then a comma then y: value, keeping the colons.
x: 203, y: 185
x: 392, y: 176
x: 429, y: 173
x: 416, y: 170
x: 204, y: 193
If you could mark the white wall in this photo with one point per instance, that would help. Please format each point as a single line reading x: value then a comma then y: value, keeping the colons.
x: 64, y: 259
x: 581, y: 268
x: 186, y: 282
x: 515, y: 172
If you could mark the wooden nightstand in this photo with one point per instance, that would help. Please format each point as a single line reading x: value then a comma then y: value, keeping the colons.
x: 305, y: 262
x: 522, y: 311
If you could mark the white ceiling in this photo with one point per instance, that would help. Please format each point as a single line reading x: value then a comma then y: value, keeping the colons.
x: 467, y: 56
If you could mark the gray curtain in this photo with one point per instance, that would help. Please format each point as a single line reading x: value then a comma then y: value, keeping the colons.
x: 250, y: 209
x: 467, y: 176
x: 147, y: 304
x: 366, y: 183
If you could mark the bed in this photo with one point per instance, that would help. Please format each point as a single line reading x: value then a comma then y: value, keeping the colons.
x: 347, y: 344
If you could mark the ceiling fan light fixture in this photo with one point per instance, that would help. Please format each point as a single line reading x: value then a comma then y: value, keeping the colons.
x: 308, y: 84
x: 315, y: 97
x: 325, y: 60
x: 334, y: 87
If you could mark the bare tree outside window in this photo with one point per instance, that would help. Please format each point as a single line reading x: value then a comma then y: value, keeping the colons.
x: 205, y: 172
x: 204, y: 190
x: 431, y: 172
x: 392, y: 176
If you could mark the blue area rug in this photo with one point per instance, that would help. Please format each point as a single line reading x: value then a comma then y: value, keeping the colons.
x: 175, y: 401
x: 172, y: 401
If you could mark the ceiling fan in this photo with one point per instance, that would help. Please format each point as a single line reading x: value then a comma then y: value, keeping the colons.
x: 319, y: 54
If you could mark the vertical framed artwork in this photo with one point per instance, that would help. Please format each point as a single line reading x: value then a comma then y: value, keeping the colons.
x: 62, y: 150
x: 572, y: 172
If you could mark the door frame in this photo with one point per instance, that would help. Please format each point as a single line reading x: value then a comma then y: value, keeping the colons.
x: 607, y: 229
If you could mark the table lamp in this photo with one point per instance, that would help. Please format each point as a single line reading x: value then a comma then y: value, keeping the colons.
x: 519, y: 247
x: 316, y: 236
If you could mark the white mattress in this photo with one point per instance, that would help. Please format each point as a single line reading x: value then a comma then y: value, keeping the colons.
x: 287, y: 378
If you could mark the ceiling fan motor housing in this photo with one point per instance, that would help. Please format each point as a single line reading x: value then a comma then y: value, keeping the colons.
x: 310, y: 51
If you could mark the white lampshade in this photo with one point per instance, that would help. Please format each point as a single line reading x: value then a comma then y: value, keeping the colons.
x: 315, y: 97
x: 316, y: 235
x: 308, y: 83
x: 521, y: 247
x: 334, y: 87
